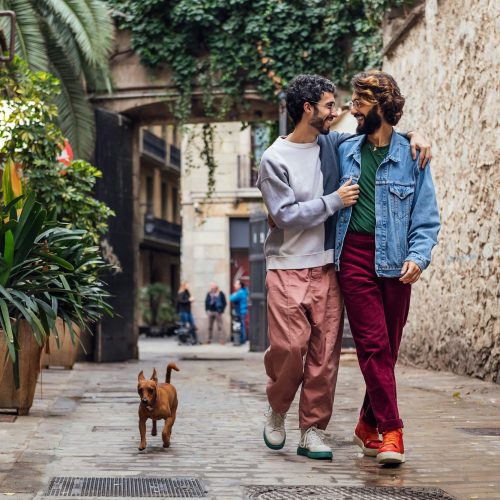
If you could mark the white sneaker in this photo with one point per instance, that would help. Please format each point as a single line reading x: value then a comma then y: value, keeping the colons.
x: 274, y: 430
x: 312, y: 445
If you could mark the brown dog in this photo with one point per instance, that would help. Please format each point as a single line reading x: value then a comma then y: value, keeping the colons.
x: 158, y: 401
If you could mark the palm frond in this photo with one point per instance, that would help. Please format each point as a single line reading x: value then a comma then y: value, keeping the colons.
x: 96, y: 79
x: 57, y: 32
x: 103, y: 23
x: 76, y: 117
x: 30, y: 43
x: 80, y: 19
x: 105, y: 31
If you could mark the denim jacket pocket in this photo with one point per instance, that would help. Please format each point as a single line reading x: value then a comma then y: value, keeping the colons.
x: 400, y: 199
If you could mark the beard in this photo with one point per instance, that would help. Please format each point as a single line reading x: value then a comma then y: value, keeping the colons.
x: 320, y: 124
x: 371, y: 122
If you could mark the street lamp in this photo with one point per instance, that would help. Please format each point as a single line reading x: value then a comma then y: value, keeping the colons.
x: 149, y: 223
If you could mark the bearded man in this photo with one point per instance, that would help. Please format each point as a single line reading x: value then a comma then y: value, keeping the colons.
x: 383, y: 244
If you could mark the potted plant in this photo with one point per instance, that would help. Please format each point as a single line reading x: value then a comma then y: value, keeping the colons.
x: 157, y: 309
x: 46, y: 272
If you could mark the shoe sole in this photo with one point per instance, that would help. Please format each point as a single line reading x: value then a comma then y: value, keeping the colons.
x: 390, y: 457
x: 368, y: 452
x: 315, y: 455
x: 273, y: 446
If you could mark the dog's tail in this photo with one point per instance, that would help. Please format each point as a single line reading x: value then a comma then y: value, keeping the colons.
x: 170, y: 367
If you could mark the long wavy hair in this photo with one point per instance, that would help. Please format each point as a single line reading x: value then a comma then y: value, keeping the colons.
x: 377, y: 87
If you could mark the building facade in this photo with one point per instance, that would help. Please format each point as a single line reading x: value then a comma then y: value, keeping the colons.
x: 215, y: 230
x: 159, y: 207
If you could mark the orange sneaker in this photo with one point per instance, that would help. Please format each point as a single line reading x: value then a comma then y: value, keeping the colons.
x: 392, y: 450
x: 367, y: 438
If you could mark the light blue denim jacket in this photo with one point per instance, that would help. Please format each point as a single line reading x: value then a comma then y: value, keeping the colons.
x: 406, y: 211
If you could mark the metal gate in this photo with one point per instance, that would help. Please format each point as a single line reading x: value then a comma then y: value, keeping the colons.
x: 258, y: 312
x: 116, y: 338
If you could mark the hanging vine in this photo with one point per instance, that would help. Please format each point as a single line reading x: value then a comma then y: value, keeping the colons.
x: 229, y: 45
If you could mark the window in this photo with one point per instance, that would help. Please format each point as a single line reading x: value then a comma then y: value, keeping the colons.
x: 149, y: 194
x: 164, y: 200
x: 175, y: 202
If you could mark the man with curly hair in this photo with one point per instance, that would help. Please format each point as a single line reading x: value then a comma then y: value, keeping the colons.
x: 298, y: 176
x: 383, y: 243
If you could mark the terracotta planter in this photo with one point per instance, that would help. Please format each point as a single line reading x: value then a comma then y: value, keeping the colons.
x: 64, y: 355
x: 29, y: 367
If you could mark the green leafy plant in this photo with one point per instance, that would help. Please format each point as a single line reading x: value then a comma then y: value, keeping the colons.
x: 69, y: 189
x: 30, y: 138
x: 48, y: 268
x: 224, y: 47
x: 46, y: 271
x: 28, y: 131
x: 156, y: 305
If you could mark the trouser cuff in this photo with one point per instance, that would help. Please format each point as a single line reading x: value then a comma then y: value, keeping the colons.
x: 390, y: 425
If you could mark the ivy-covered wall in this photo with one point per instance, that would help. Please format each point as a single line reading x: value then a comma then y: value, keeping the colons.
x: 229, y: 44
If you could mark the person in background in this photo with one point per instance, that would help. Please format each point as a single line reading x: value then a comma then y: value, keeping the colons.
x: 240, y: 300
x: 215, y: 305
x: 183, y: 306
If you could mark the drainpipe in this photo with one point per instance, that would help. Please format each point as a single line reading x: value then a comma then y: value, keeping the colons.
x: 282, y: 114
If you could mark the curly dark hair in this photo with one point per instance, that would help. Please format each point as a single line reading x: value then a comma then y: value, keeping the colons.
x: 377, y: 87
x: 305, y: 88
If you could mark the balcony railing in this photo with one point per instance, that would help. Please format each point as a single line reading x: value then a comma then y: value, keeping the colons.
x: 175, y: 156
x: 161, y: 230
x: 155, y: 147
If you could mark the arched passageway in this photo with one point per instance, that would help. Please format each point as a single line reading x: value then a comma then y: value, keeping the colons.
x: 140, y: 97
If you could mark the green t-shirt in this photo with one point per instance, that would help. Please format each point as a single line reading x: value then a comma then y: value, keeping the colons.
x: 363, y: 212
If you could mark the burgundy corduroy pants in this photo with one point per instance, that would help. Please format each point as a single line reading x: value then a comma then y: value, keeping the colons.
x: 377, y: 309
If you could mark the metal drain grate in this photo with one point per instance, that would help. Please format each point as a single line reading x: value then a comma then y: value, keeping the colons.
x: 481, y: 431
x: 343, y: 493
x: 124, y: 487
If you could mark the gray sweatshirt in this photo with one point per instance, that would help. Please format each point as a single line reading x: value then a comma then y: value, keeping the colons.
x: 297, y: 182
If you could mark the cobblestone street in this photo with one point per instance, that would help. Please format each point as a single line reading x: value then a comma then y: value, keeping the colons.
x: 85, y: 424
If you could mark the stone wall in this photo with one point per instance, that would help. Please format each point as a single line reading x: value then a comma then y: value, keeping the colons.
x: 447, y: 67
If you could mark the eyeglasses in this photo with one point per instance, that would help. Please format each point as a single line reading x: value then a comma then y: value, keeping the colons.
x: 356, y: 103
x: 330, y: 106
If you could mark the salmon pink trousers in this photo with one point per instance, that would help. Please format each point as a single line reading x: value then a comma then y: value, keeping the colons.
x: 305, y: 316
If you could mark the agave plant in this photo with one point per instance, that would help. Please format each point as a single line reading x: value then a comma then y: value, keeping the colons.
x: 46, y: 271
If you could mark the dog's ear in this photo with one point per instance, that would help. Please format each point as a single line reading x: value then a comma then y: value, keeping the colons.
x: 154, y: 376
x: 141, y: 376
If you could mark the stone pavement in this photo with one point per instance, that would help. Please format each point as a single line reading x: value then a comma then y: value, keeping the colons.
x: 85, y: 424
